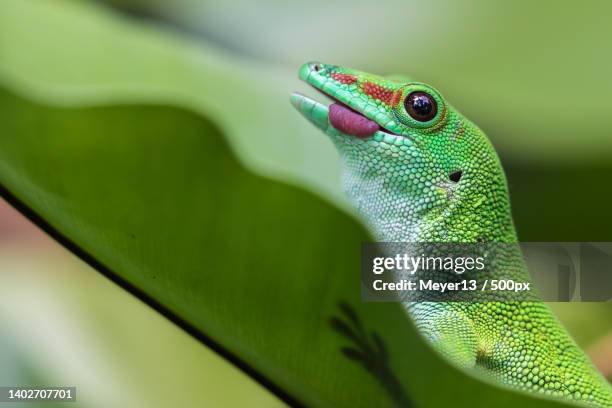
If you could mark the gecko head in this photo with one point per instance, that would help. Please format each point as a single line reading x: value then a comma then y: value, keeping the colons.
x: 406, y: 152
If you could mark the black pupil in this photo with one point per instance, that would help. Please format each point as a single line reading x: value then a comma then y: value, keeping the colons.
x: 421, y: 106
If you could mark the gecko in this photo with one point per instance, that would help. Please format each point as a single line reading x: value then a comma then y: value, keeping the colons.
x: 416, y: 170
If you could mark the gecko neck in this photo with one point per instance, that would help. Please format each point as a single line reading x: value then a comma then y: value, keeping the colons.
x: 466, y: 216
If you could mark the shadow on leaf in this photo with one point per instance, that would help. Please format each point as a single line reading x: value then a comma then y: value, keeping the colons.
x: 369, y: 350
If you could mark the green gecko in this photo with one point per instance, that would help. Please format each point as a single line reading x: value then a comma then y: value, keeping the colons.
x: 416, y: 170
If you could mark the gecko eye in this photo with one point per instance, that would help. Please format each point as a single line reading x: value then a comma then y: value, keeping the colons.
x: 421, y: 106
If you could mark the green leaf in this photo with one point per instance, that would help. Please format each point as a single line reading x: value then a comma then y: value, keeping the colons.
x: 100, y: 336
x: 152, y: 195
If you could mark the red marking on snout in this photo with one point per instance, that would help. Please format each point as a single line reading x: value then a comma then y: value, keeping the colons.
x: 344, y: 78
x: 378, y: 92
x: 395, y: 100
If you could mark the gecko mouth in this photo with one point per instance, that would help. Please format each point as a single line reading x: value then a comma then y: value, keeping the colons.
x: 340, y: 116
x: 351, y: 122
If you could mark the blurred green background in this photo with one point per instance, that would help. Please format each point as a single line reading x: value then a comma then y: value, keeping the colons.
x: 534, y: 76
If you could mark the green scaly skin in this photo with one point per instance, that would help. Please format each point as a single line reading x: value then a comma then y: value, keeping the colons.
x: 398, y: 180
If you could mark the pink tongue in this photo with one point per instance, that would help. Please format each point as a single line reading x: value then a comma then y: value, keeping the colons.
x: 349, y: 122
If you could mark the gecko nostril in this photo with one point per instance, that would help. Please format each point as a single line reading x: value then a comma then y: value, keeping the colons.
x: 455, y: 176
